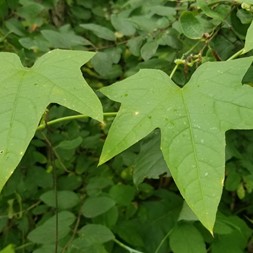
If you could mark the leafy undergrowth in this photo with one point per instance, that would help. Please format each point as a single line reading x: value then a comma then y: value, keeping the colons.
x: 58, y: 200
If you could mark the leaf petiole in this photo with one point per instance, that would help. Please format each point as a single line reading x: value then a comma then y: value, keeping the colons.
x: 238, y: 53
x: 67, y: 118
x: 126, y: 247
x: 178, y: 62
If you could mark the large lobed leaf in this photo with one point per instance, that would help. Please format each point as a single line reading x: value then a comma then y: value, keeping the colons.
x: 193, y: 121
x: 26, y: 92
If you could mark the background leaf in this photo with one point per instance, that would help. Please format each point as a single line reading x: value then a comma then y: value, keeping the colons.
x: 45, y: 233
x: 191, y: 26
x: 100, y: 31
x: 149, y: 49
x: 150, y: 162
x: 95, y: 234
x: 95, y: 206
x: 185, y: 238
x: 122, y: 194
x: 123, y: 24
x: 65, y: 199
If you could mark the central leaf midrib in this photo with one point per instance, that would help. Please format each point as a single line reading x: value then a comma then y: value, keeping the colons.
x: 188, y: 117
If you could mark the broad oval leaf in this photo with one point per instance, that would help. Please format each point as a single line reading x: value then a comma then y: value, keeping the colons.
x: 45, y: 233
x: 191, y: 26
x: 64, y: 38
x: 100, y: 31
x: 149, y: 49
x: 150, y: 162
x: 185, y: 238
x: 95, y: 234
x: 123, y: 24
x: 95, y: 206
x: 91, y: 237
x: 65, y: 199
x: 193, y: 121
x: 26, y: 92
x: 122, y: 194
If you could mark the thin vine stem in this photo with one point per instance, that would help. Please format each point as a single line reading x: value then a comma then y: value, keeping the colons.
x: 238, y: 53
x: 22, y: 247
x: 68, y: 118
x: 55, y: 185
x: 162, y: 241
x: 122, y: 245
x: 75, y: 230
x: 182, y: 57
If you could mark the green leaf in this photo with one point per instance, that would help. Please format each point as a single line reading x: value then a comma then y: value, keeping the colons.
x: 150, y: 162
x: 187, y: 214
x: 70, y: 144
x: 208, y: 11
x: 249, y: 39
x: 95, y: 234
x: 99, y: 31
x: 46, y: 249
x: 31, y: 12
x: 162, y: 10
x: 95, y: 206
x: 193, y: 121
x: 185, y: 238
x: 224, y: 225
x: 64, y: 38
x: 26, y: 92
x: 191, y: 26
x: 92, y: 235
x: 149, y: 49
x: 122, y: 194
x: 65, y: 199
x: 8, y: 249
x: 135, y: 44
x: 236, y: 240
x: 38, y: 43
x: 129, y: 231
x: 105, y: 63
x: 123, y: 24
x: 79, y: 245
x: 45, y: 233
x: 144, y: 22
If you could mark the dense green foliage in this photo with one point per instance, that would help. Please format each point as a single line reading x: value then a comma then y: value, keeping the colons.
x: 58, y: 200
